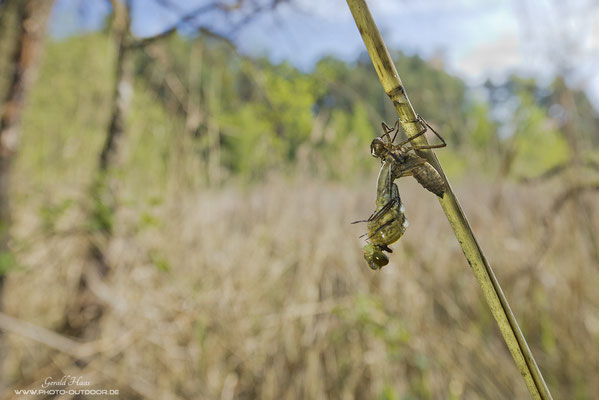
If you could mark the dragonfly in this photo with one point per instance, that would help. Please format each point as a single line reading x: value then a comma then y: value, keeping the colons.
x: 403, y: 155
x: 388, y: 222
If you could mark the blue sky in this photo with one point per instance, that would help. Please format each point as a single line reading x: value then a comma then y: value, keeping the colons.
x: 477, y: 39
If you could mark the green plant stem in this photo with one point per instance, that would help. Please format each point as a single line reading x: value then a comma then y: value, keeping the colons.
x: 482, y: 270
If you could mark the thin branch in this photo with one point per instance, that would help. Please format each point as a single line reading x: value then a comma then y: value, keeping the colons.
x: 569, y: 194
x: 224, y: 38
x: 482, y: 270
x: 550, y: 173
x: 151, y: 39
x: 182, y: 21
x: 189, y: 17
x: 255, y: 12
x: 169, y: 5
x: 559, y: 169
x: 169, y: 80
x: 51, y: 339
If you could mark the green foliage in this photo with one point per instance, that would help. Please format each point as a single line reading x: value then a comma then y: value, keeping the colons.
x: 151, y: 132
x: 7, y: 262
x: 65, y: 121
x: 256, y: 117
x: 263, y: 134
x: 368, y: 313
x: 160, y: 262
x: 147, y: 220
x: 102, y: 213
x: 545, y: 123
x: 539, y: 145
x: 102, y: 218
x: 251, y: 149
x: 482, y: 129
x: 437, y: 96
x: 388, y: 393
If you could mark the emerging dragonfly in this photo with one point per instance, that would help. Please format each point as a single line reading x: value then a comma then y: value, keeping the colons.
x: 407, y: 162
x: 388, y: 222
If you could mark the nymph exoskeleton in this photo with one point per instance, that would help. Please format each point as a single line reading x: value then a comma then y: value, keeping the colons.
x: 406, y: 160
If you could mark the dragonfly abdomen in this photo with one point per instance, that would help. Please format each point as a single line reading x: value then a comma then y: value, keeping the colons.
x: 390, y: 227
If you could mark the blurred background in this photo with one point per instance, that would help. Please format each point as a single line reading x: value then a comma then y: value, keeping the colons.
x: 178, y: 178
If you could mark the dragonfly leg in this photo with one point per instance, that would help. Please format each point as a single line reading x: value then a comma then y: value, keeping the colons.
x: 396, y: 129
x: 420, y: 132
x: 430, y: 146
x: 425, y: 126
x: 386, y: 248
x: 378, y: 214
x: 387, y: 131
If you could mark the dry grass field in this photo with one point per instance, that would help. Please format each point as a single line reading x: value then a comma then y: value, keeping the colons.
x: 262, y: 293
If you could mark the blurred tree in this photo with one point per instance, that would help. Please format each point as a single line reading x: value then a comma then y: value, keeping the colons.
x: 88, y: 308
x: 102, y: 201
x: 441, y: 98
x: 561, y: 35
x: 23, y: 26
x: 122, y: 82
x: 537, y: 138
x: 27, y: 20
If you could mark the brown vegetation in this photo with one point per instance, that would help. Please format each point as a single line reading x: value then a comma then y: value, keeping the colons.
x: 263, y: 293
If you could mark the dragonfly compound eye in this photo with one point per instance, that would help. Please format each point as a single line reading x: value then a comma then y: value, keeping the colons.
x: 377, y: 147
x: 375, y: 257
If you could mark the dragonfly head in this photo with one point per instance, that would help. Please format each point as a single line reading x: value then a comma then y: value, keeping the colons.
x: 378, y: 148
x: 375, y: 257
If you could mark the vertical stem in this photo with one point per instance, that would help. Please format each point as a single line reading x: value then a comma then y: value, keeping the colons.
x: 213, y: 129
x: 194, y: 115
x: 482, y: 270
x: 121, y: 91
x: 86, y: 310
